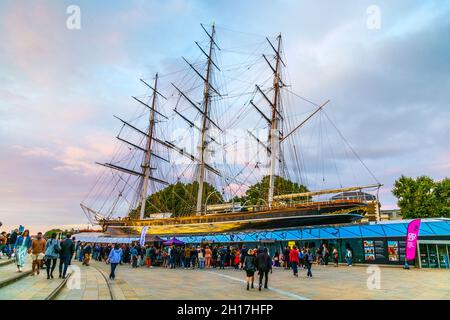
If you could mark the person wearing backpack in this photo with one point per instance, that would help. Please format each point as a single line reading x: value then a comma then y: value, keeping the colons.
x: 349, y: 257
x: 87, y: 253
x: 309, y: 259
x: 52, y: 250
x: 301, y: 256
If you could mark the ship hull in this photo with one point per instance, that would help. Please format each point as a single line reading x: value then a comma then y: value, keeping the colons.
x: 269, y: 220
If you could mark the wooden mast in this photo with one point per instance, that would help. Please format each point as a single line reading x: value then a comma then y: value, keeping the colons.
x: 204, y: 127
x: 146, y: 170
x: 274, y: 138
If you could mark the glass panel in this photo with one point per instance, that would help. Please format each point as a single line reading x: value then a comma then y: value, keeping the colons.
x: 372, y: 231
x: 356, y: 245
x: 443, y: 257
x: 424, y: 256
x: 432, y: 254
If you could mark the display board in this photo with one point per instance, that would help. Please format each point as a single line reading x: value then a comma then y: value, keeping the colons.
x: 369, y: 250
x: 393, y: 252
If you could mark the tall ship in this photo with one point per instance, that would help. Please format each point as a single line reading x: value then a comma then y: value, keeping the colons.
x: 186, y: 159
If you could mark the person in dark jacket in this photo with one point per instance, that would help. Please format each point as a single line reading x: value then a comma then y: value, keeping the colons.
x: 250, y: 268
x: 242, y: 257
x: 264, y: 265
x: 65, y: 256
x: 309, y: 259
x: 286, y: 253
x: 87, y: 254
x: 13, y: 238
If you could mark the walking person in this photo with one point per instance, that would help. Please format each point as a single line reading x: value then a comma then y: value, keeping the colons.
x: 3, y: 243
x: 52, y: 250
x: 301, y: 257
x: 336, y: 257
x: 349, y: 256
x: 37, y: 253
x: 250, y: 268
x: 237, y: 259
x: 276, y: 259
x: 309, y: 259
x: 148, y: 260
x: 293, y: 258
x: 221, y: 257
x: 65, y: 256
x: 325, y: 254
x: 9, y: 246
x: 21, y: 248
x: 80, y: 251
x: 242, y: 257
x: 319, y: 256
x: 264, y: 265
x: 114, y: 258
x: 87, y: 252
x: 286, y: 255
x: 134, y: 256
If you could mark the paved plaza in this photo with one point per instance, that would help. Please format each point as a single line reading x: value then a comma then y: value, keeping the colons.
x: 328, y: 283
x: 357, y: 282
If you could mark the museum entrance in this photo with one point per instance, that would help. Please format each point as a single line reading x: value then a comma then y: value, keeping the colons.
x: 434, y: 254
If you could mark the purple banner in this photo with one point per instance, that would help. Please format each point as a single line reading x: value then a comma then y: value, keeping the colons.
x: 411, y: 239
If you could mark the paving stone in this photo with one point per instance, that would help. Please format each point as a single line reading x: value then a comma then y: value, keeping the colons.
x: 327, y: 283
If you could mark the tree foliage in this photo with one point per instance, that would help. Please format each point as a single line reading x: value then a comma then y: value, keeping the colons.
x: 259, y: 192
x: 49, y: 233
x: 422, y: 197
x: 179, y: 198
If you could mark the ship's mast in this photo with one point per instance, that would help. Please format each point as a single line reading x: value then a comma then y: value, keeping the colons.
x: 146, y: 170
x: 205, y: 126
x: 274, y: 137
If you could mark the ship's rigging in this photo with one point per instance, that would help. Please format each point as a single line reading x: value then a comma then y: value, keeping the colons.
x: 150, y: 161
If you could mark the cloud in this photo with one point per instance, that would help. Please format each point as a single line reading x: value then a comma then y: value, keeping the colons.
x: 389, y: 89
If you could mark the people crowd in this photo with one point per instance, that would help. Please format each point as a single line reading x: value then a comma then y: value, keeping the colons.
x: 46, y: 252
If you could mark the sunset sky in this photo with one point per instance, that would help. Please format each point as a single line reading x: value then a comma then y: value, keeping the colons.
x: 59, y: 88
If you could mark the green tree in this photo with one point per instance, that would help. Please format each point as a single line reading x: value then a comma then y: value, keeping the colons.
x: 422, y: 197
x: 442, y: 191
x: 259, y: 192
x: 179, y: 198
x: 49, y: 233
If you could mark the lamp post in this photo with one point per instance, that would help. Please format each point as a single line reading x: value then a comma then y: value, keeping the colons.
x: 265, y: 202
x: 207, y: 198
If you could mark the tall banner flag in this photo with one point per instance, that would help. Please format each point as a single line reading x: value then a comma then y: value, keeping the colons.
x: 143, y: 233
x: 411, y: 239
